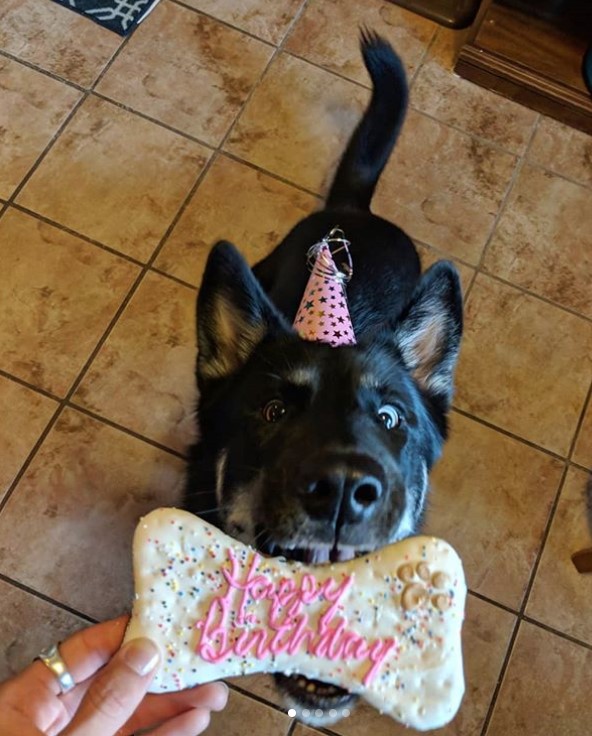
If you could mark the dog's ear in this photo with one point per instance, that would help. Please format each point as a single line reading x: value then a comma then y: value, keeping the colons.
x: 429, y: 331
x: 233, y: 314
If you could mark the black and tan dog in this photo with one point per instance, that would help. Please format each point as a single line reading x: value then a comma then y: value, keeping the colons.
x: 314, y: 452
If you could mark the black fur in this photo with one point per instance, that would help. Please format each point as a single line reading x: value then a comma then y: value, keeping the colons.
x: 328, y: 472
x: 372, y: 142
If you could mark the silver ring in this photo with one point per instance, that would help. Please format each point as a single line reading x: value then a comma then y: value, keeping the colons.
x: 50, y: 656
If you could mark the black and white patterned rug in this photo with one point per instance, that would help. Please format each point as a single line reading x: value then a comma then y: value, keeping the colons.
x: 121, y: 16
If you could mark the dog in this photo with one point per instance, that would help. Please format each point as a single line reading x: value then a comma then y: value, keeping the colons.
x: 314, y: 452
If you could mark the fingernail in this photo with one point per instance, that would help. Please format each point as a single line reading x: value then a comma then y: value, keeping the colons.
x: 141, y: 655
x: 219, y: 699
x: 225, y: 687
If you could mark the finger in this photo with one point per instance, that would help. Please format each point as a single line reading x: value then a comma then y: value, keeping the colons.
x: 84, y: 653
x: 116, y: 691
x: 191, y: 723
x: 159, y: 708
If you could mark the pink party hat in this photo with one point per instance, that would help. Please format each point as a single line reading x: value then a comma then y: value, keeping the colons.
x: 323, y: 314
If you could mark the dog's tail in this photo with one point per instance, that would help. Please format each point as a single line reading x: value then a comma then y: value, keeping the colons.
x: 373, y: 140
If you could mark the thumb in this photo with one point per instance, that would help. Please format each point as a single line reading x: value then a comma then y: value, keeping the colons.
x: 116, y: 691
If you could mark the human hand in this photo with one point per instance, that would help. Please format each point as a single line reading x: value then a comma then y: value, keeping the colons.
x: 109, y: 698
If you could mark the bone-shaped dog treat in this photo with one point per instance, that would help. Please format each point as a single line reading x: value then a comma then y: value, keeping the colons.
x: 386, y: 626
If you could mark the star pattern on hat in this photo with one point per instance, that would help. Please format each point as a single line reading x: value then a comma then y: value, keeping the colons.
x: 324, y: 305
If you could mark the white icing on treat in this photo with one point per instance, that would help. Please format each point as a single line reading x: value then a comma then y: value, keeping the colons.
x: 386, y: 626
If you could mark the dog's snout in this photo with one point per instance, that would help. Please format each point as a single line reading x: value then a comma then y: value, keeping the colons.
x: 353, y: 494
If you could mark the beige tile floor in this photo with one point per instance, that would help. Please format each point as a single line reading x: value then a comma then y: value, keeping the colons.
x: 122, y: 161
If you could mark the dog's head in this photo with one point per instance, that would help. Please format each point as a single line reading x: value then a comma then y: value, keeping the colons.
x: 321, y: 453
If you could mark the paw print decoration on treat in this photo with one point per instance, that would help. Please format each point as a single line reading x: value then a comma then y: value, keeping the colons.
x: 386, y: 625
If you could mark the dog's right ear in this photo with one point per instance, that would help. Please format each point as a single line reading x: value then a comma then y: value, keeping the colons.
x: 233, y: 314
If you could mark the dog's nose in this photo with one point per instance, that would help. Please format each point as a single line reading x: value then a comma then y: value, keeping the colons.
x: 355, y: 495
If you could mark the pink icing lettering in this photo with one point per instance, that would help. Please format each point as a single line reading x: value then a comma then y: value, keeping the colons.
x: 308, y: 588
x: 213, y: 643
x: 288, y: 628
x: 327, y: 639
x: 276, y: 645
x: 247, y: 640
x: 302, y: 635
x: 378, y: 653
x: 233, y: 582
x: 260, y: 588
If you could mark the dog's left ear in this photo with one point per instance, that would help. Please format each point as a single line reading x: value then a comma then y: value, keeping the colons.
x: 233, y: 314
x: 429, y: 331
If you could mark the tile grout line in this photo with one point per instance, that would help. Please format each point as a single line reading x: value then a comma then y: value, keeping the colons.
x: 446, y: 256
x: 37, y: 594
x: 39, y: 160
x: 236, y: 119
x: 255, y: 696
x: 523, y: 605
x: 575, y: 438
x: 23, y: 468
x: 216, y: 152
x: 30, y: 386
x: 222, y: 22
x: 133, y: 289
x: 317, y: 65
x: 116, y: 425
x: 490, y: 143
x: 89, y: 412
x: 536, y: 165
x: 578, y: 466
x: 534, y: 570
x: 521, y: 160
x: 530, y: 619
x: 554, y: 505
x: 480, y: 139
x: 272, y: 174
x: 424, y: 244
x: 533, y: 294
x: 66, y: 399
x: 511, y: 435
x: 556, y: 501
x: 557, y: 632
x: 92, y: 91
x: 177, y: 279
x: 40, y: 70
x: 85, y: 95
x: 275, y: 54
x: 125, y: 430
x: 150, y: 119
x: 469, y: 288
x: 423, y: 59
x: 492, y: 602
x: 118, y: 312
x: 501, y: 677
x: 75, y: 234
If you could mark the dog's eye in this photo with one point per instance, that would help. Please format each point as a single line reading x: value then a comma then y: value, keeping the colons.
x: 274, y: 410
x: 389, y: 416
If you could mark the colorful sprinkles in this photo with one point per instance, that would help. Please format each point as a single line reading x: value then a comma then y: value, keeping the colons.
x: 192, y: 576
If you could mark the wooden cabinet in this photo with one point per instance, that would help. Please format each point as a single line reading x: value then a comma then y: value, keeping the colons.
x: 532, y: 51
